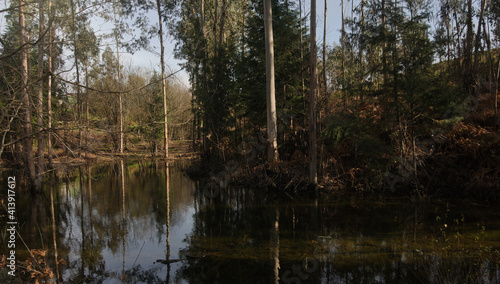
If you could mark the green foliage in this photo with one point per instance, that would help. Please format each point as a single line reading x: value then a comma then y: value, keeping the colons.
x: 251, y: 69
x: 226, y: 62
x: 363, y: 136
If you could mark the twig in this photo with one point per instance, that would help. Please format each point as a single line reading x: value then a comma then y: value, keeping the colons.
x: 32, y: 256
x: 138, y: 254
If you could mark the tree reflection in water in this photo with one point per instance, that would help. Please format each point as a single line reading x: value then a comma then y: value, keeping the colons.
x: 114, y: 223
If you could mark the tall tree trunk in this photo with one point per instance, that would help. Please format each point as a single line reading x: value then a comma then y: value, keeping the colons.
x: 457, y: 42
x: 486, y: 32
x: 49, y: 86
x: 361, y: 38
x: 313, y: 170
x: 163, y: 80
x: 119, y: 80
x: 204, y: 72
x: 221, y: 25
x: 302, y: 58
x: 270, y: 88
x: 384, y: 54
x: 342, y: 39
x: 478, y: 37
x: 27, y: 127
x: 448, y: 38
x: 324, y: 51
x: 468, y: 73
x: 78, y: 90
x: 496, y: 95
x: 87, y: 111
x: 243, y: 39
x: 39, y: 106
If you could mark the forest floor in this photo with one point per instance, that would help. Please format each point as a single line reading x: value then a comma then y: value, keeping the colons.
x: 62, y: 157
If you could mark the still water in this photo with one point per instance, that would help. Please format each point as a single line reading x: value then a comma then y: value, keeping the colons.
x: 147, y: 223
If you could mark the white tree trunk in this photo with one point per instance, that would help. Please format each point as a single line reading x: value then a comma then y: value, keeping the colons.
x: 270, y: 88
x: 163, y: 81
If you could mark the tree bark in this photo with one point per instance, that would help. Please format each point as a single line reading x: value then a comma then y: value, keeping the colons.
x: 342, y: 39
x: 313, y: 171
x: 49, y: 87
x: 270, y: 87
x: 78, y: 90
x: 361, y: 59
x: 27, y: 127
x: 222, y: 22
x: 468, y: 76
x: 163, y: 80
x: 324, y: 50
x: 119, y: 80
x: 302, y: 59
x: 39, y: 107
x: 496, y: 95
x: 478, y: 37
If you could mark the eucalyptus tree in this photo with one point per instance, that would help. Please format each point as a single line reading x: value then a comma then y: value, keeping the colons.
x: 250, y: 71
x: 40, y: 89
x: 313, y: 171
x: 163, y: 79
x: 50, y: 67
x: 325, y: 84
x: 27, y: 126
x: 494, y: 20
x: 117, y: 35
x: 270, y: 89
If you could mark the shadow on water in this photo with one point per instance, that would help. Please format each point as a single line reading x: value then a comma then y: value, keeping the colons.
x: 146, y: 222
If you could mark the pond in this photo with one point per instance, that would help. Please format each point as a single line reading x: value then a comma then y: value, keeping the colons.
x: 146, y: 222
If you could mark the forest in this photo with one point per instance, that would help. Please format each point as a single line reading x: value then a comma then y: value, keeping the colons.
x: 285, y: 156
x: 406, y: 100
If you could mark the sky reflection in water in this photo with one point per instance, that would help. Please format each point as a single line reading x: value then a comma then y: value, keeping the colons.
x: 115, y: 228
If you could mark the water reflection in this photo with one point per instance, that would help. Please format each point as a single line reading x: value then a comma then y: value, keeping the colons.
x: 148, y: 223
x: 117, y: 222
x: 54, y: 228
x: 167, y: 190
